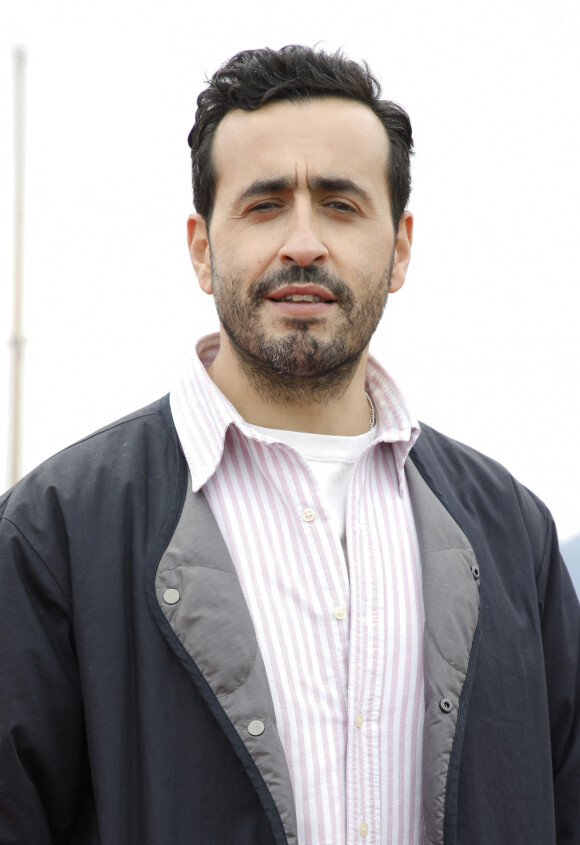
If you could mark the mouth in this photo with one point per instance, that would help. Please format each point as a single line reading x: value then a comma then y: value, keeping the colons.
x: 302, y: 294
x: 295, y: 297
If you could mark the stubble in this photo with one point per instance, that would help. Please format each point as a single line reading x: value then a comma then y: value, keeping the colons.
x: 301, y: 365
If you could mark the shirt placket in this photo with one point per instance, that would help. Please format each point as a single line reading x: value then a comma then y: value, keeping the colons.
x: 366, y: 664
x: 333, y: 595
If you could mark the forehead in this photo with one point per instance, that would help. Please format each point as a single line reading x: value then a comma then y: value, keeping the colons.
x: 310, y: 138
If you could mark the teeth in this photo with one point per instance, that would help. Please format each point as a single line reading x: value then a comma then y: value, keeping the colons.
x: 306, y: 297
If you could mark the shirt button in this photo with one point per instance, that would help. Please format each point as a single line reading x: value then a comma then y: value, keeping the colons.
x: 256, y: 728
x: 171, y: 596
x: 339, y: 612
x: 308, y: 514
x: 363, y: 828
x: 359, y: 720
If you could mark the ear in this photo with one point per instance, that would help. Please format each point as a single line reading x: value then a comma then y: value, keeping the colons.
x: 198, y: 243
x: 402, y: 251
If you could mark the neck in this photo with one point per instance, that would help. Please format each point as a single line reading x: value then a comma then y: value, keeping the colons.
x: 334, y: 403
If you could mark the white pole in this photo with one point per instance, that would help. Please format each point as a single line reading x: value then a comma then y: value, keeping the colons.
x: 17, y: 340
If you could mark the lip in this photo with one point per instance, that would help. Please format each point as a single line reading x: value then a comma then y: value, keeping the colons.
x: 301, y: 309
x: 302, y: 290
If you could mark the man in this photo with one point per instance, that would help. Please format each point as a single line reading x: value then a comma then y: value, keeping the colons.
x: 271, y: 608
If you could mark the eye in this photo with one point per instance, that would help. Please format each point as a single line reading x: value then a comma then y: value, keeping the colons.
x: 265, y: 205
x: 341, y: 206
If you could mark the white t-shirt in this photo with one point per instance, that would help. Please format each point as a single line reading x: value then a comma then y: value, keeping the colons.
x: 331, y: 460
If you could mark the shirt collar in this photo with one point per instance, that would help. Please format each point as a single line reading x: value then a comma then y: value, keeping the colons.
x: 202, y: 415
x: 396, y: 424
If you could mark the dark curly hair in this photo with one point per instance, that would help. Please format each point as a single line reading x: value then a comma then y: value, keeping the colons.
x: 253, y: 78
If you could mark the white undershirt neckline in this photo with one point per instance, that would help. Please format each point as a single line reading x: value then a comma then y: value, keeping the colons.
x: 331, y: 459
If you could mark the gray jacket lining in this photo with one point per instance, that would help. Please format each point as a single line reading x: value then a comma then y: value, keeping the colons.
x: 212, y: 621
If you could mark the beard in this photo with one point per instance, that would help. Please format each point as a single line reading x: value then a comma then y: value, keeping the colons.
x: 300, y: 365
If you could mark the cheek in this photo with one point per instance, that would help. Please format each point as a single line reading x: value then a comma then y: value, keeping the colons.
x: 380, y: 250
x: 240, y: 257
x: 371, y: 249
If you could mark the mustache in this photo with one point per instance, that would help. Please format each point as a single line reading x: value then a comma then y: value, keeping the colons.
x: 311, y: 274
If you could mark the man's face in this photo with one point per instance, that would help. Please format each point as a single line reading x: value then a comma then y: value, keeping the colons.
x: 301, y: 245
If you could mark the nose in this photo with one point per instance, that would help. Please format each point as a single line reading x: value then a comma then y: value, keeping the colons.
x: 302, y: 245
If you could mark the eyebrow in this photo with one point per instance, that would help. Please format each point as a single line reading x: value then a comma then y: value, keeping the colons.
x: 333, y: 184
x: 265, y: 186
x: 340, y: 185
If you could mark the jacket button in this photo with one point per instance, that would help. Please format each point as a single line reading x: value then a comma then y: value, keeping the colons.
x: 475, y: 571
x: 256, y: 728
x: 446, y: 705
x: 171, y: 596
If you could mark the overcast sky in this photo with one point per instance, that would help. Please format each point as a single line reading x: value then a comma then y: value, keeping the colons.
x: 484, y: 336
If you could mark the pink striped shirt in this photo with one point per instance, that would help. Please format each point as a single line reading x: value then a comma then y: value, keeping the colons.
x: 341, y: 639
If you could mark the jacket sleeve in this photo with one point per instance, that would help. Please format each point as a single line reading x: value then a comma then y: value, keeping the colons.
x: 41, y: 724
x: 560, y: 615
